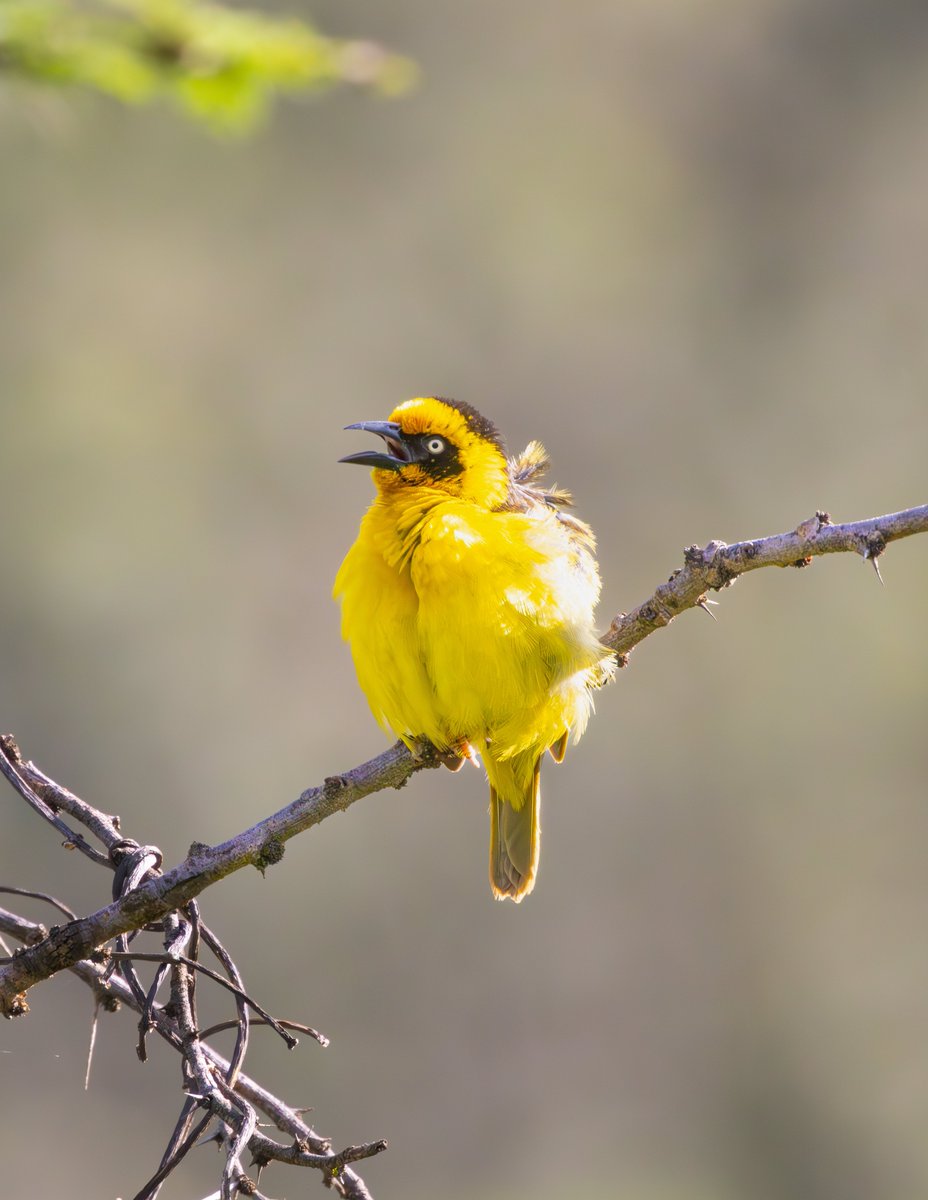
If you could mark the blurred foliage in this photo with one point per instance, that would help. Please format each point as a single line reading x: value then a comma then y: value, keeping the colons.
x: 222, y: 66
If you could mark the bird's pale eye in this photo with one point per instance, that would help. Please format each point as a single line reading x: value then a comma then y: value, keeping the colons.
x: 435, y: 445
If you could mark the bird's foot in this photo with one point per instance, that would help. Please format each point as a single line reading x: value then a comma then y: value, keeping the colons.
x: 456, y: 757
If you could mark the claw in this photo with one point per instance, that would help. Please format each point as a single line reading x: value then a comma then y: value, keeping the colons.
x: 459, y: 753
x: 449, y: 759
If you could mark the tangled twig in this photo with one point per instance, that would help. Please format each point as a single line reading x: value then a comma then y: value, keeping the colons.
x: 216, y: 1089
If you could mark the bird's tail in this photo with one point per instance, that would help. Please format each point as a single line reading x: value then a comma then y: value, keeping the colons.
x: 515, y: 833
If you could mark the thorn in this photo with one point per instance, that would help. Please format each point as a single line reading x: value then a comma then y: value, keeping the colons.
x: 875, y: 563
x: 210, y: 1137
x: 703, y: 602
x: 93, y: 1039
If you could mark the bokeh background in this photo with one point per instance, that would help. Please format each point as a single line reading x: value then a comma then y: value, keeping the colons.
x: 686, y: 245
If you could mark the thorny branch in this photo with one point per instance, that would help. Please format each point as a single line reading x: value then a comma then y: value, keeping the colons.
x: 717, y: 566
x: 145, y: 897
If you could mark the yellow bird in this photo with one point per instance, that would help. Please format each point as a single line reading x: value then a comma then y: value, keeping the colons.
x: 468, y: 602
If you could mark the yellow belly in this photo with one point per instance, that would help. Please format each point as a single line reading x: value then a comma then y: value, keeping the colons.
x: 472, y: 625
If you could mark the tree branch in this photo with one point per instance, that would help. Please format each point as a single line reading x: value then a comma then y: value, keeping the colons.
x: 160, y: 894
x: 718, y: 566
x: 145, y: 897
x: 710, y: 569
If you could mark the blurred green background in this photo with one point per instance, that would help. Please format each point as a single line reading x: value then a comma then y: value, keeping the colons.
x: 686, y: 246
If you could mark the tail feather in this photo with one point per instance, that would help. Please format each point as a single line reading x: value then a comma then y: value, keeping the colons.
x: 515, y: 841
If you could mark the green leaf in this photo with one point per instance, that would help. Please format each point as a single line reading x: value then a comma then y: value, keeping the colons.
x: 222, y: 66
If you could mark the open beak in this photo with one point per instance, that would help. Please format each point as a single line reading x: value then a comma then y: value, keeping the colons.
x: 397, y: 451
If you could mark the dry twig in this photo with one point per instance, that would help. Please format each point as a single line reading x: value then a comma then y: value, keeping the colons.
x: 216, y: 1089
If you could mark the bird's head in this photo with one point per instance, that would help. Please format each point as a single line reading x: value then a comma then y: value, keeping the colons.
x: 443, y: 445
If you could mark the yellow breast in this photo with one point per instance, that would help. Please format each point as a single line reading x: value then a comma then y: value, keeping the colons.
x: 467, y: 624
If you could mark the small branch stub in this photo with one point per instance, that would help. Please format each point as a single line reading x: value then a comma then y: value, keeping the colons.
x: 270, y: 854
